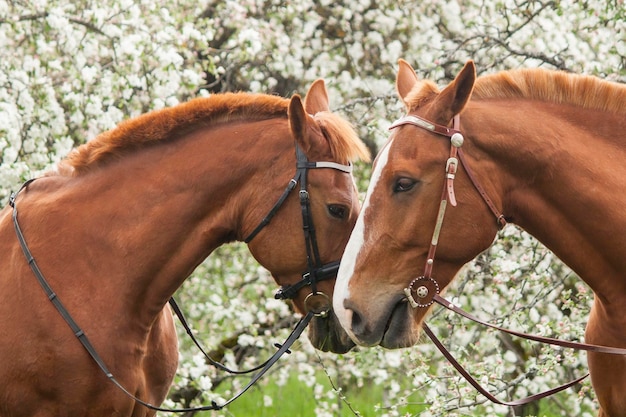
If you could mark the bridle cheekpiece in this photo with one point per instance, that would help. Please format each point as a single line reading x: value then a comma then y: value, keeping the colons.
x: 317, y: 302
x: 421, y: 291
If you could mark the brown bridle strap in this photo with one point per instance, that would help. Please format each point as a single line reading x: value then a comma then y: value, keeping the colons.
x: 500, y: 219
x: 482, y: 390
x: 451, y: 165
x: 548, y: 340
x: 427, y: 290
x: 447, y: 196
x: 543, y: 339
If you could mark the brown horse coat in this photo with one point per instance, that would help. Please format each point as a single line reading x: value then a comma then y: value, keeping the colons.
x: 548, y: 149
x: 130, y: 215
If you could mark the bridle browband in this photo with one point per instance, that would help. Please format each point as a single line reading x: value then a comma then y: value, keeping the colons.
x: 425, y: 287
x: 317, y: 303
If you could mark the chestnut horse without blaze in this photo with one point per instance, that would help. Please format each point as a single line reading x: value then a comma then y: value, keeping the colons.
x: 129, y: 215
x: 548, y: 148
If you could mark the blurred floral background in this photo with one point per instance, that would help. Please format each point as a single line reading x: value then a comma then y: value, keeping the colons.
x: 72, y: 69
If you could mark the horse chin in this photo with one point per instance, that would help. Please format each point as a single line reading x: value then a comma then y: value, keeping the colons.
x: 402, y: 330
x: 327, y: 335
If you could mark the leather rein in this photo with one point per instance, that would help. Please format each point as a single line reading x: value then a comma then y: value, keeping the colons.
x: 317, y: 303
x: 423, y: 291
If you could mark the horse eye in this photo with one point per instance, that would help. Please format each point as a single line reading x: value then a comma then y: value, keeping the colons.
x: 337, y: 211
x: 403, y: 185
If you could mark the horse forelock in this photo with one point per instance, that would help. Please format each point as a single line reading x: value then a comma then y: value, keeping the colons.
x: 422, y: 92
x: 169, y: 124
x: 344, y: 142
x: 552, y: 86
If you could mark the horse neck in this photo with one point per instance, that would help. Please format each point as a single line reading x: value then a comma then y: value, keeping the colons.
x: 145, y: 222
x: 558, y: 172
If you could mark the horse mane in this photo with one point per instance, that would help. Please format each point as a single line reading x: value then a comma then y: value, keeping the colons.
x: 553, y: 86
x: 173, y: 122
x: 170, y: 123
x: 538, y: 84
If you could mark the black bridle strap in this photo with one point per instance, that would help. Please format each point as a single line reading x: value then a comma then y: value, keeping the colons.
x: 326, y: 271
x: 316, y: 271
x: 302, y: 165
x: 183, y: 320
x: 310, y: 239
x: 268, y: 218
x: 84, y: 340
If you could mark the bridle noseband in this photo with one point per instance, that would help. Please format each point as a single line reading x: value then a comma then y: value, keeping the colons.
x: 317, y: 302
x: 426, y: 288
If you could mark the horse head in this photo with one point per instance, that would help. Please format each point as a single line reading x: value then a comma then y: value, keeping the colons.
x: 324, y: 208
x: 391, y: 243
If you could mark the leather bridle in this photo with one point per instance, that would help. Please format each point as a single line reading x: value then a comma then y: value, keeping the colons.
x: 317, y: 303
x: 424, y: 290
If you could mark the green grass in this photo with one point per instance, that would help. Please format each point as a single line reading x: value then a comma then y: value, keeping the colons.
x: 296, y: 399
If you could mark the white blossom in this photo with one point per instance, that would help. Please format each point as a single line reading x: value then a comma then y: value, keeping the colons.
x: 85, y: 67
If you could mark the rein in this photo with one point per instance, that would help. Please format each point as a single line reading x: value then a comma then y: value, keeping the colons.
x: 426, y: 288
x: 317, y: 303
x: 183, y: 320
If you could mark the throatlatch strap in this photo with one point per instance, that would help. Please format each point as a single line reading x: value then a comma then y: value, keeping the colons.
x: 268, y: 218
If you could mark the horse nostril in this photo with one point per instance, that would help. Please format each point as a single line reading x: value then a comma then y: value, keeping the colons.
x: 357, y: 324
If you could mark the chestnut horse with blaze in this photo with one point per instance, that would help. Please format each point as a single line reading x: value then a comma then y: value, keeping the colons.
x: 542, y: 149
x: 129, y: 215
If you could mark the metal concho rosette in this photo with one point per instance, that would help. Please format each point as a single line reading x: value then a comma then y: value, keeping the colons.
x: 421, y: 291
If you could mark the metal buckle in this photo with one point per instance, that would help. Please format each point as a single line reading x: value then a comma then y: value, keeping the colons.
x: 319, y: 304
x: 452, y: 165
x: 304, y: 196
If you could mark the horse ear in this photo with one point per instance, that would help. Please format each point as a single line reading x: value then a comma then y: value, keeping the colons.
x: 405, y: 80
x: 316, y: 99
x: 455, y: 96
x: 297, y: 119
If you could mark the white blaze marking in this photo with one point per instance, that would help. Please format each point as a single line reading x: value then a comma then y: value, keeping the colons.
x: 348, y: 260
